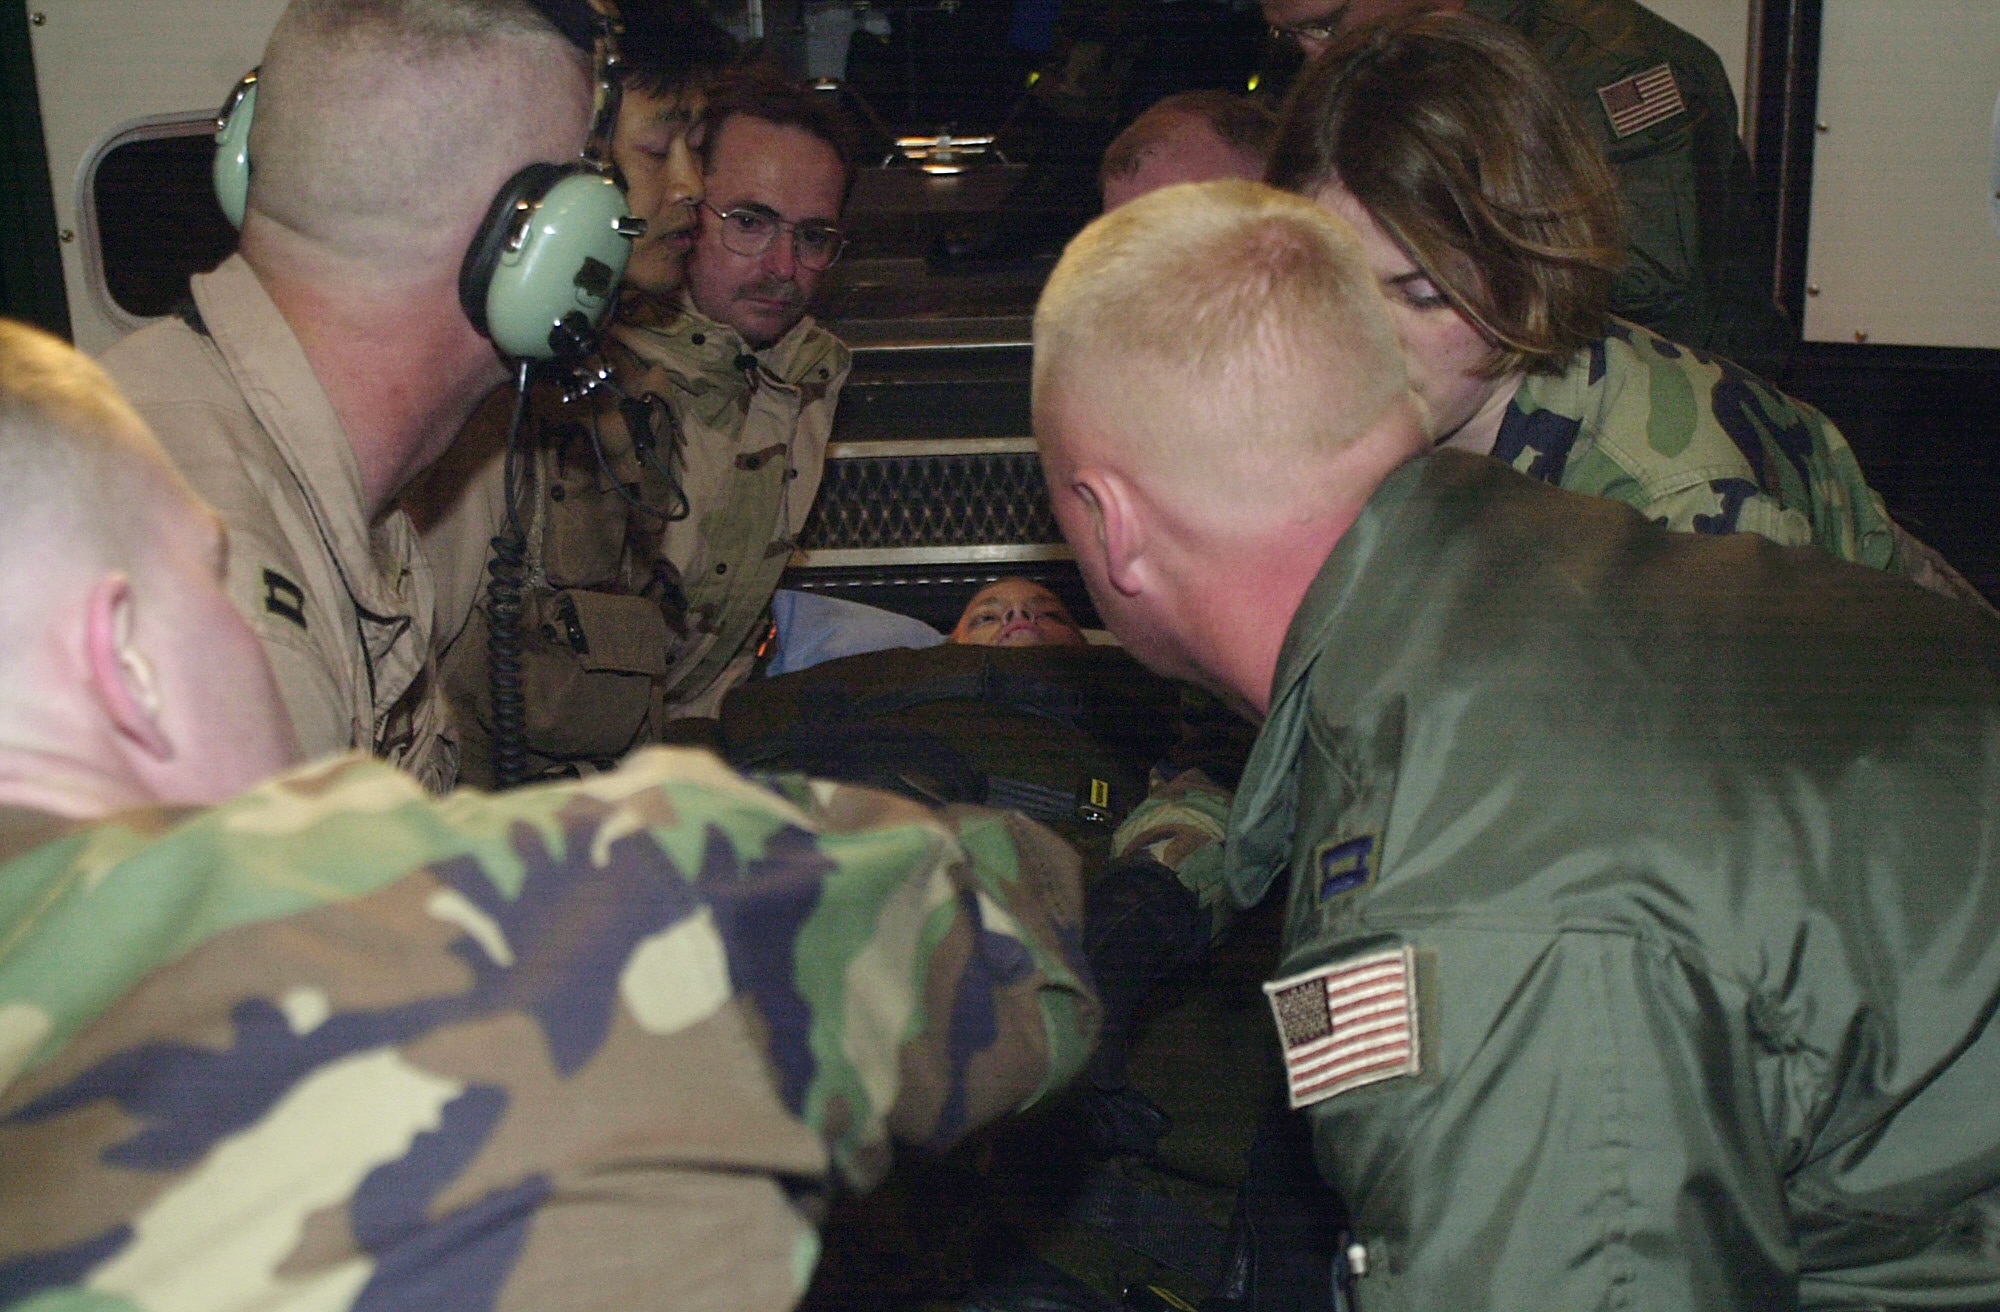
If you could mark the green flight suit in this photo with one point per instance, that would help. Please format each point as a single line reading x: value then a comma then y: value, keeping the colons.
x: 1699, y: 254
x: 1693, y: 844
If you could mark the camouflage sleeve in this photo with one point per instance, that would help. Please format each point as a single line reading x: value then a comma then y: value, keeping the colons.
x: 600, y: 1045
x: 1181, y: 825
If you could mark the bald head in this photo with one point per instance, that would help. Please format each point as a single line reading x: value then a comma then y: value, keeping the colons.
x: 1223, y: 333
x: 384, y: 127
x: 1196, y: 136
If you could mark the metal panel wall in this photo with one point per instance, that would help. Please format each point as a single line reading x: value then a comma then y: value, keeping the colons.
x: 1903, y: 249
x: 104, y: 67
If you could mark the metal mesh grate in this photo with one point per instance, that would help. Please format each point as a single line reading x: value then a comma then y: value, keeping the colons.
x: 931, y: 501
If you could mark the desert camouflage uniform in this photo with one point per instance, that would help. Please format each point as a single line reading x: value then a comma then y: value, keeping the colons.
x: 332, y: 1045
x: 636, y: 613
x: 343, y: 605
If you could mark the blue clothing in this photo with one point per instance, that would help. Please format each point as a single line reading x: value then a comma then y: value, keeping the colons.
x: 812, y: 629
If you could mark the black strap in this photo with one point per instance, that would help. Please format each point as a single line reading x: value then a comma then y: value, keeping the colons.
x: 1020, y: 692
x: 190, y: 314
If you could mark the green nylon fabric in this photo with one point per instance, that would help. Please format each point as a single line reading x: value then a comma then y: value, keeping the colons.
x: 1699, y: 251
x: 1695, y: 841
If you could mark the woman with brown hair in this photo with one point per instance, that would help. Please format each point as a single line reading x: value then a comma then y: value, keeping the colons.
x: 1495, y: 227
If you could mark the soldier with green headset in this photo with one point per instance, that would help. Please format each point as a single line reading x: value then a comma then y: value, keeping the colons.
x: 1637, y: 945
x: 658, y: 501
x: 424, y: 204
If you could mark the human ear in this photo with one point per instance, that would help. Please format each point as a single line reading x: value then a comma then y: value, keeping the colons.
x: 1116, y: 521
x: 120, y: 675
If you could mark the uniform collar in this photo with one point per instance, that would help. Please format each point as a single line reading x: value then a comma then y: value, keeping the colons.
x: 278, y: 384
x: 1577, y: 391
x: 1360, y: 588
x: 690, y: 340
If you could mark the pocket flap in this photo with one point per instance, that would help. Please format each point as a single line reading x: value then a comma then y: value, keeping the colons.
x: 620, y: 634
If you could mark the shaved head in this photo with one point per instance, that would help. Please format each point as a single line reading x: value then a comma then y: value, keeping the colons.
x: 1224, y: 331
x: 384, y: 127
x: 1196, y: 136
x: 81, y: 470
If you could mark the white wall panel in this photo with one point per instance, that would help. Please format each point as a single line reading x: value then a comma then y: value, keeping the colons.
x: 1903, y: 249
x: 104, y: 66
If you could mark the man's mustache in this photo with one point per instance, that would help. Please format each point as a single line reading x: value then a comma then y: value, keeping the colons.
x: 783, y: 290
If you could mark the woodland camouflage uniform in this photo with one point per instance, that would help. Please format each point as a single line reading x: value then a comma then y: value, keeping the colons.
x: 332, y: 1045
x: 1693, y: 442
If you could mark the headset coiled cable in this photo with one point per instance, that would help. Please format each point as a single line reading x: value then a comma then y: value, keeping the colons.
x: 507, y: 577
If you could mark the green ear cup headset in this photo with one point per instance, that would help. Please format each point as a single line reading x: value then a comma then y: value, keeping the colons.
x: 541, y: 274
x: 231, y: 170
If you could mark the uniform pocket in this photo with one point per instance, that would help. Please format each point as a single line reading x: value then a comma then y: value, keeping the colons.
x: 589, y: 667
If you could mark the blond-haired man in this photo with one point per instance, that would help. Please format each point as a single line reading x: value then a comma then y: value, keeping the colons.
x: 1636, y: 947
x: 328, y: 362
x: 329, y: 1043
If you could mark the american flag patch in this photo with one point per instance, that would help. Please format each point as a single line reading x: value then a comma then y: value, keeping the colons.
x: 1642, y: 100
x: 1347, y: 1024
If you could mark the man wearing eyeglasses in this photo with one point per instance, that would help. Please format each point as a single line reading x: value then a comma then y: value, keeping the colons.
x: 757, y: 378
x: 770, y: 224
x: 1699, y: 266
x: 659, y: 510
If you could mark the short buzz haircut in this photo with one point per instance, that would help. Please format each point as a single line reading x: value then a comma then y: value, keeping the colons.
x: 757, y: 90
x: 431, y: 26
x: 1450, y: 133
x: 379, y: 125
x: 671, y: 44
x: 73, y: 454
x: 1243, y: 125
x: 1235, y: 327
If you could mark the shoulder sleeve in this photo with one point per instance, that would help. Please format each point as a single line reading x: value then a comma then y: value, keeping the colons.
x: 1584, y: 1125
x: 986, y: 1006
x: 610, y: 1036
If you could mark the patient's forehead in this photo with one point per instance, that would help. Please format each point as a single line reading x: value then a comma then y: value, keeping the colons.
x: 1006, y: 590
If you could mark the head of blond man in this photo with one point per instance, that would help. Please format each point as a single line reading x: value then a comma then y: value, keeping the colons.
x: 1217, y: 392
x: 127, y: 677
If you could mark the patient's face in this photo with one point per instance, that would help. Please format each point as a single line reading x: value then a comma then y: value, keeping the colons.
x: 1016, y: 613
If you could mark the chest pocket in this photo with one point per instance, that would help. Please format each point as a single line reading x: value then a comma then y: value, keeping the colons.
x: 589, y: 666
